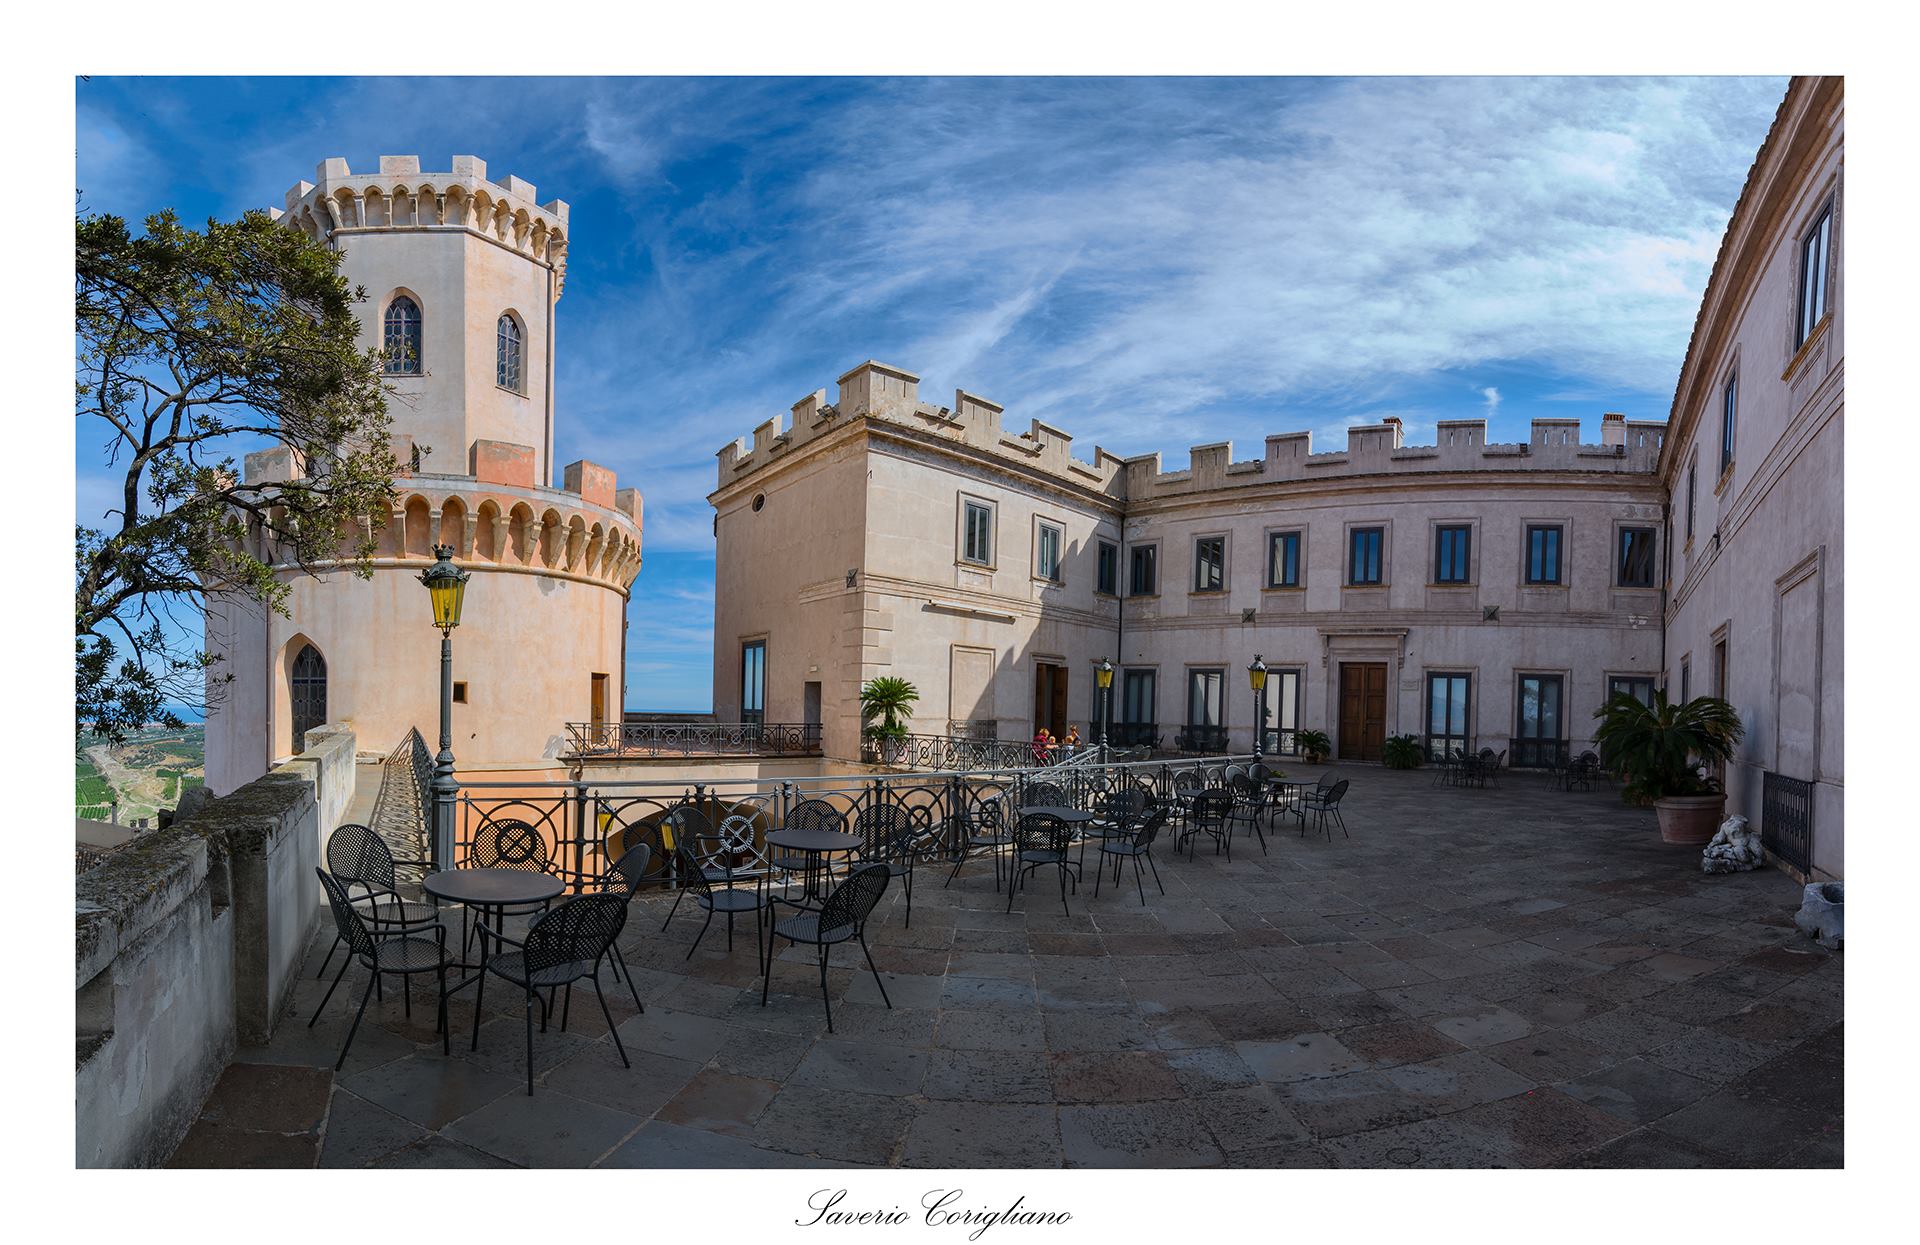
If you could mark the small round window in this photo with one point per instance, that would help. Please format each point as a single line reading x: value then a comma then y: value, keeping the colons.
x: 759, y: 500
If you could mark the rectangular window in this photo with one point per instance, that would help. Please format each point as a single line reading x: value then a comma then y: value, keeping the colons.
x: 976, y: 532
x: 1720, y: 669
x: 460, y: 692
x: 1693, y: 472
x: 1282, y: 695
x: 1109, y: 576
x: 1686, y: 680
x: 1210, y: 564
x: 1136, y: 697
x: 1206, y: 690
x: 1047, y: 546
x: 1363, y: 556
x: 1813, y: 278
x: 753, y: 681
x: 1729, y: 406
x: 1447, y: 714
x: 1452, y: 554
x: 1539, y: 735
x: 1543, y: 553
x: 1283, y: 560
x: 1640, y: 689
x: 1143, y: 578
x: 1636, y: 557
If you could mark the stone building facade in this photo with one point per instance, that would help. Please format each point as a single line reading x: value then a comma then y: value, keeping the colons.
x: 463, y: 276
x: 1465, y: 592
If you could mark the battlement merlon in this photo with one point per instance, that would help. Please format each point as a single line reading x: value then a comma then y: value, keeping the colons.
x: 400, y: 196
x: 880, y: 393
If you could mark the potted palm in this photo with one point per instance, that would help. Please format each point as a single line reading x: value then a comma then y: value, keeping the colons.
x: 1314, y: 744
x: 1665, y: 751
x: 1401, y: 752
x: 886, y: 706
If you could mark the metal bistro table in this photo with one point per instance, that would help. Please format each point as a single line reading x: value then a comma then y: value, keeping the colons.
x: 1075, y: 817
x: 816, y: 846
x: 492, y: 891
x: 1285, y: 793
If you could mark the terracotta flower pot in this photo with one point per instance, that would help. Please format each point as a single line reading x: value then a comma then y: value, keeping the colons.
x: 1690, y: 820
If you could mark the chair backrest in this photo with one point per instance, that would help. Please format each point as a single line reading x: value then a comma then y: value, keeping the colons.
x: 356, y: 854
x: 1212, y: 804
x: 852, y: 902
x: 1589, y: 758
x: 624, y: 876
x: 886, y: 832
x: 692, y: 870
x: 353, y: 930
x: 814, y: 815
x: 509, y: 844
x: 1336, y: 792
x: 1234, y: 771
x: 1486, y: 754
x: 1042, y: 832
x: 577, y: 932
x: 1126, y: 803
x: 684, y: 823
x: 1327, y: 781
x: 1260, y: 773
x: 1155, y: 822
x: 1045, y: 793
x: 1243, y: 785
x: 1501, y: 759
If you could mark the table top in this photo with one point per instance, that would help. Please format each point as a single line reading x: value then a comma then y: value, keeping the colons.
x: 1056, y: 810
x: 492, y: 886
x: 814, y: 840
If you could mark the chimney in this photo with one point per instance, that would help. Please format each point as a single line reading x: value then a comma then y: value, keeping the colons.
x: 1393, y: 423
x: 1613, y: 429
x: 877, y: 388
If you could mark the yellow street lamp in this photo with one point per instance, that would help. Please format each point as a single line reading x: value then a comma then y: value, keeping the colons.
x: 447, y: 586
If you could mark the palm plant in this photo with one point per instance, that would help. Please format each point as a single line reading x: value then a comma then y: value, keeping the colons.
x: 1662, y: 749
x: 886, y: 705
x: 1313, y: 743
x: 1401, y: 752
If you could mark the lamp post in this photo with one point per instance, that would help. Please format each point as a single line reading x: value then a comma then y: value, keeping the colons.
x: 1257, y: 680
x: 447, y: 585
x: 1103, y: 675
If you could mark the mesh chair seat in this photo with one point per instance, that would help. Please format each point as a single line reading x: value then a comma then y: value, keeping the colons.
x: 1040, y: 856
x: 731, y: 899
x: 513, y: 966
x: 1123, y: 847
x: 806, y: 928
x: 407, y: 955
x: 386, y: 910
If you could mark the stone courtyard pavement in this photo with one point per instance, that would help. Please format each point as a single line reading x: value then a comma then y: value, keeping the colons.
x: 1503, y: 978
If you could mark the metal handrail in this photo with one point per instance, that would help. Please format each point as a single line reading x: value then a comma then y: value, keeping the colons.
x: 595, y: 739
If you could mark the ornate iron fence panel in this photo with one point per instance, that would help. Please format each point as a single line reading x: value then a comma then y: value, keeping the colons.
x: 1786, y: 819
x: 403, y: 807
x: 652, y: 739
x: 1538, y: 753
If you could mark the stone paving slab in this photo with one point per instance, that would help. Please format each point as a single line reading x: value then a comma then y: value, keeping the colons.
x: 1507, y: 978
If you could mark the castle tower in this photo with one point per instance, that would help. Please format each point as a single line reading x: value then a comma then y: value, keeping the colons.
x: 463, y: 276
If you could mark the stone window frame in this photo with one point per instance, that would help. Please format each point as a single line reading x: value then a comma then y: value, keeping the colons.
x: 1041, y: 522
x: 1617, y: 554
x: 992, y: 507
x: 1154, y: 545
x: 1471, y: 674
x: 512, y: 359
x: 1729, y: 420
x: 1222, y: 669
x: 1385, y: 528
x: 419, y: 369
x: 1100, y: 546
x: 1151, y: 669
x: 1802, y: 333
x: 1226, y: 560
x: 1565, y: 565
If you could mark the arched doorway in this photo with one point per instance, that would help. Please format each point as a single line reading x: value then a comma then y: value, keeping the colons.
x: 309, y: 695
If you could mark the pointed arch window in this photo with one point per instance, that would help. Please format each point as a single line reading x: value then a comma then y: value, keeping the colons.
x: 508, y: 352
x: 401, y: 338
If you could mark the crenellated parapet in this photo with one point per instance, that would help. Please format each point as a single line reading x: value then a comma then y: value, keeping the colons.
x: 887, y: 399
x: 400, y: 196
x: 496, y: 518
x: 880, y: 394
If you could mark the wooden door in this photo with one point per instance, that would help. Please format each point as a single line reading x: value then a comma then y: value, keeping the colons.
x: 598, y: 710
x: 1363, y: 710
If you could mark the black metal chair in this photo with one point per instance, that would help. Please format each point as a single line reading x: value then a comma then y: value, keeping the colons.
x: 887, y: 837
x: 1136, y: 849
x: 405, y: 950
x: 1249, y: 805
x: 1581, y: 772
x: 1047, y: 793
x: 624, y: 878
x: 1041, y: 841
x: 1120, y: 814
x: 1212, y: 815
x: 719, y: 895
x: 1324, y: 804
x: 683, y: 823
x: 359, y: 857
x: 842, y: 918
x: 560, y: 948
x: 985, y: 827
x: 808, y: 815
x: 1497, y: 763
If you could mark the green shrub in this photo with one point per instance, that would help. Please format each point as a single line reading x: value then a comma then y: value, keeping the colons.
x: 1401, y: 752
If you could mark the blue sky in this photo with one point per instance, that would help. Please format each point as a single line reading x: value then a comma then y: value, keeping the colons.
x: 1146, y: 263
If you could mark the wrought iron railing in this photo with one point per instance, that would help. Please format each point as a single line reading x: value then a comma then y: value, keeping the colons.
x: 953, y: 752
x: 586, y: 824
x: 1281, y: 742
x: 1201, y: 739
x: 1134, y: 734
x: 1440, y: 747
x: 1786, y: 819
x: 974, y: 728
x: 654, y: 739
x: 1538, y: 753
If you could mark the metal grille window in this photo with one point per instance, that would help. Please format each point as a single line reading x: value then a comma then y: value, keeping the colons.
x: 1283, y: 560
x: 1729, y: 406
x: 1143, y: 579
x: 1046, y: 562
x: 1636, y: 557
x: 1543, y: 554
x: 507, y: 353
x: 1109, y: 570
x: 1206, y: 691
x: 1210, y: 564
x: 1452, y: 554
x: 1364, y: 555
x: 1813, y: 278
x: 977, y: 533
x: 400, y: 341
